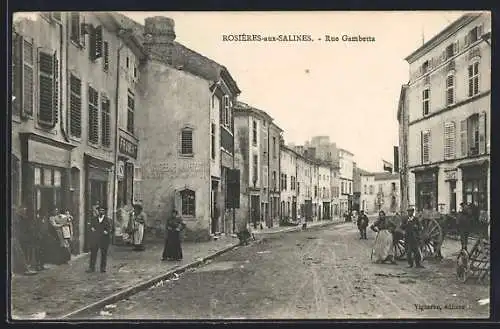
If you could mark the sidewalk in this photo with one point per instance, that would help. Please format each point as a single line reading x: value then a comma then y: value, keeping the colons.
x: 282, y: 229
x: 60, y: 290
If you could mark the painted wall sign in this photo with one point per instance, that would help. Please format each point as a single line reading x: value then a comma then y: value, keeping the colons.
x: 450, y: 175
x: 128, y: 148
x: 120, y: 170
x: 161, y: 170
x: 47, y: 154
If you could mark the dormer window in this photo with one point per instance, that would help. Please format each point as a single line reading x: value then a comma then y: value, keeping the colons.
x: 425, y: 67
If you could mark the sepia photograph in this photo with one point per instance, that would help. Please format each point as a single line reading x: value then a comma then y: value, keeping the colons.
x: 275, y: 165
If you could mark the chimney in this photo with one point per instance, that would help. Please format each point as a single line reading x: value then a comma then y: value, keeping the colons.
x: 159, y: 35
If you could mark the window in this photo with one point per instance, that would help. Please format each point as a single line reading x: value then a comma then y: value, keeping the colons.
x: 426, y: 140
x: 450, y: 51
x: 187, y: 141
x: 75, y: 86
x: 213, y: 141
x: 106, y: 122
x: 254, y: 133
x: 350, y: 188
x: 96, y: 43
x: 274, y: 147
x: 425, y: 101
x: 371, y: 189
x: 48, y: 100
x: 138, y: 194
x: 450, y: 89
x: 127, y: 62
x: 130, y: 111
x: 77, y: 29
x: 105, y: 53
x: 315, y: 191
x: 274, y: 180
x: 366, y: 189
x: 17, y: 74
x: 380, y: 188
x: 393, y: 187
x: 473, y: 135
x: 93, y: 122
x: 298, y: 188
x: 188, y: 203
x: 255, y: 169
x: 425, y: 67
x: 342, y: 187
x: 474, y: 34
x: 473, y: 79
x: 449, y: 140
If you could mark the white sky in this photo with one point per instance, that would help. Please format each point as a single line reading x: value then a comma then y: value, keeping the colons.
x: 351, y: 90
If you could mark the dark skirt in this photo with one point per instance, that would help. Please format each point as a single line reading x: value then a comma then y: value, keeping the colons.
x: 53, y: 252
x: 173, y: 248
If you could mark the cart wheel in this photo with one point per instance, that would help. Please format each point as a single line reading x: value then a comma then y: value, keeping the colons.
x: 463, y: 266
x: 399, y: 249
x: 432, y: 238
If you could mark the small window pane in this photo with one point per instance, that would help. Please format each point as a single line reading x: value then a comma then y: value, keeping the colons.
x: 47, y: 177
x: 37, y: 176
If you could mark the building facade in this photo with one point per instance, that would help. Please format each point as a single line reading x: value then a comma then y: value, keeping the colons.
x: 448, y: 105
x: 367, y: 193
x: 346, y: 164
x: 289, y: 184
x: 187, y: 124
x: 403, y: 147
x: 64, y: 114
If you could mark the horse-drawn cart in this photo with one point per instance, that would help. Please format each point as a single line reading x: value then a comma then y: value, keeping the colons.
x: 431, y: 239
x: 476, y: 263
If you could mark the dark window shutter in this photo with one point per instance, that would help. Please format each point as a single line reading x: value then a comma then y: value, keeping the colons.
x: 46, y: 89
x: 92, y: 44
x: 93, y: 113
x: 17, y: 73
x: 105, y: 50
x: 75, y: 106
x: 56, y: 89
x: 106, y: 122
x: 233, y: 189
x: 98, y: 41
x: 27, y: 78
x: 482, y: 133
x: 463, y: 138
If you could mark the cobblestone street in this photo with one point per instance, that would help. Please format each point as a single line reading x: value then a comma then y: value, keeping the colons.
x: 319, y: 273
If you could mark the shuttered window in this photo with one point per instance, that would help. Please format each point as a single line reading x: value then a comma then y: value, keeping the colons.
x: 75, y: 120
x: 130, y: 111
x: 463, y: 138
x: 482, y: 133
x: 213, y: 135
x: 96, y: 43
x: 450, y: 89
x: 28, y: 78
x: 426, y: 146
x: 47, y: 84
x: 93, y: 123
x: 106, y: 122
x: 105, y: 52
x: 17, y: 74
x: 449, y: 140
x: 425, y: 101
x: 187, y: 141
x: 473, y: 71
x: 75, y: 33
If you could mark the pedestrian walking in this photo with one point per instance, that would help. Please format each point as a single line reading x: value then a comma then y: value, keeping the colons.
x: 139, y: 226
x: 412, y: 227
x: 362, y: 223
x: 383, y: 249
x: 173, y: 249
x: 100, y: 232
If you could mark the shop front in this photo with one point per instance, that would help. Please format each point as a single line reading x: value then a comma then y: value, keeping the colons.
x: 450, y: 177
x: 97, y: 189
x: 426, y: 188
x: 475, y: 183
x: 46, y: 176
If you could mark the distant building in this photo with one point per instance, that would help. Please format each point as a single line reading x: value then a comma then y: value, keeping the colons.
x: 346, y: 164
x: 379, y: 191
x: 445, y: 118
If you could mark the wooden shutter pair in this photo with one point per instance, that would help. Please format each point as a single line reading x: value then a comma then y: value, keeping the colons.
x: 23, y: 71
x: 464, y: 136
x: 48, y: 88
x: 425, y: 146
x: 96, y: 43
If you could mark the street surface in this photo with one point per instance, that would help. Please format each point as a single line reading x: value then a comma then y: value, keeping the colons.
x: 319, y: 273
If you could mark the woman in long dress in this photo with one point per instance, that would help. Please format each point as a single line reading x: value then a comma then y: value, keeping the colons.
x: 383, y: 249
x: 173, y: 249
x: 139, y: 225
x: 60, y: 232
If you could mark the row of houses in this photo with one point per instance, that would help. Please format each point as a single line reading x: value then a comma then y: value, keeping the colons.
x: 106, y: 110
x: 444, y: 119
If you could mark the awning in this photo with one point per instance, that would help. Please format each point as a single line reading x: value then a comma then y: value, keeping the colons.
x: 475, y: 163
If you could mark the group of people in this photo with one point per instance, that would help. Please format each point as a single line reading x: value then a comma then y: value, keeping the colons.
x: 388, y: 233
x: 101, y: 230
x: 45, y: 238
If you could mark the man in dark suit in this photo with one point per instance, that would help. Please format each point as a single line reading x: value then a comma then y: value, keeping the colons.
x: 412, y: 227
x: 362, y: 223
x: 100, y: 236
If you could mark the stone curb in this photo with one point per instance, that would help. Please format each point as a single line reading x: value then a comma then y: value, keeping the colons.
x: 298, y: 228
x: 143, y: 285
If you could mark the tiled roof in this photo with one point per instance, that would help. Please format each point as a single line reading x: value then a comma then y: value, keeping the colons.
x: 386, y: 176
x: 182, y: 57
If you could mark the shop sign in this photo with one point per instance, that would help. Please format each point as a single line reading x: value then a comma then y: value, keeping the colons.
x: 450, y: 175
x: 47, y: 154
x: 128, y: 148
x: 120, y: 170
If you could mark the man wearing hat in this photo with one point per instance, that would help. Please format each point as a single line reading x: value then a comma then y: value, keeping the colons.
x: 412, y: 228
x: 100, y: 236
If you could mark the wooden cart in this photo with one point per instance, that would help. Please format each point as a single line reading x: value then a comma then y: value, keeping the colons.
x: 476, y: 263
x: 431, y: 240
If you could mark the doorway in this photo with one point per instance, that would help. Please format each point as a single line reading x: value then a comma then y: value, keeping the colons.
x: 215, y: 207
x: 254, y: 210
x: 97, y: 194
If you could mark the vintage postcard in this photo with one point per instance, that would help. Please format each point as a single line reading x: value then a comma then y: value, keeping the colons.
x: 250, y: 165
